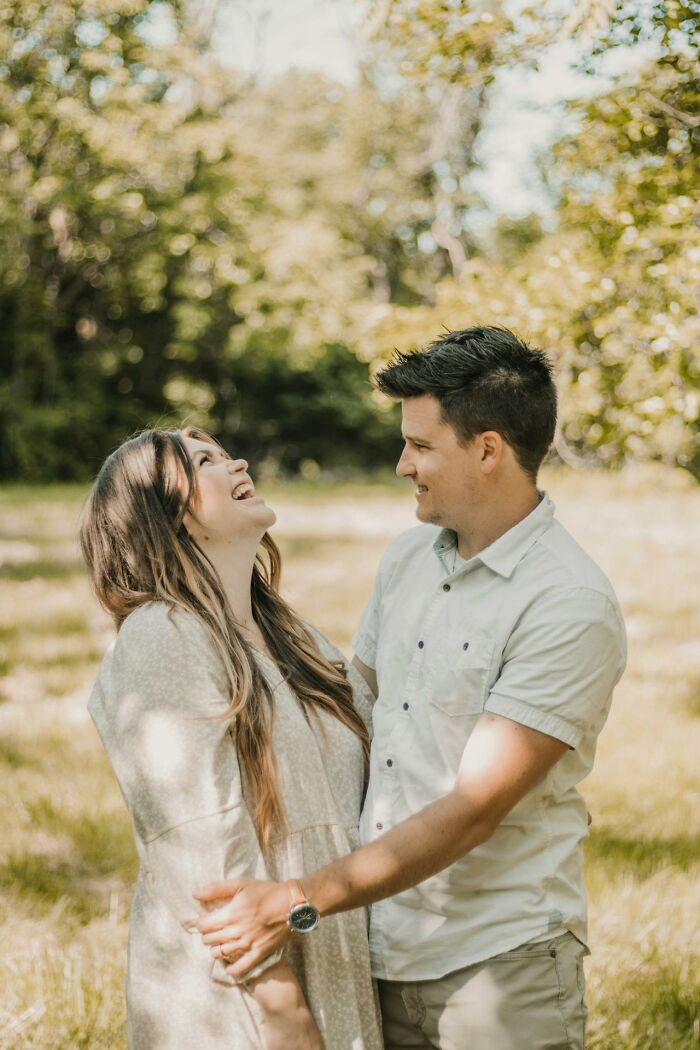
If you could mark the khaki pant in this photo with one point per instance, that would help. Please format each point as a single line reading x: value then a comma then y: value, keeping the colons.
x: 530, y: 998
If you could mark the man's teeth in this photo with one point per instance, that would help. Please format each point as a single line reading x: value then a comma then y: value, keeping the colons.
x: 242, y: 491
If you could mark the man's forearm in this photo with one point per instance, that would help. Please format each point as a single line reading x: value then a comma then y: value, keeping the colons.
x: 502, y: 761
x: 411, y: 852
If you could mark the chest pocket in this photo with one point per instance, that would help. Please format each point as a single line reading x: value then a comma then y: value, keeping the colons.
x: 463, y: 675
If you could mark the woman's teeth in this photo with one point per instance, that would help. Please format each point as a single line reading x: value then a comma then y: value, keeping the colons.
x: 242, y: 491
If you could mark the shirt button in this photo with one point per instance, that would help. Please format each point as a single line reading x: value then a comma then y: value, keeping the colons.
x: 379, y: 825
x: 446, y: 587
x: 405, y: 707
x: 465, y: 646
x: 421, y: 644
x: 389, y: 762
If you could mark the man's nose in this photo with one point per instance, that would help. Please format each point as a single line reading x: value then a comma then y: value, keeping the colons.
x: 404, y: 468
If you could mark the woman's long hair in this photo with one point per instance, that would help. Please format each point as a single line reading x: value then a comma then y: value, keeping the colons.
x: 137, y: 549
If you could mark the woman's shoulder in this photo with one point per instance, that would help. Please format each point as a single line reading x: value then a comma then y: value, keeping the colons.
x: 164, y: 657
x: 362, y: 694
x: 161, y: 628
x: 325, y: 646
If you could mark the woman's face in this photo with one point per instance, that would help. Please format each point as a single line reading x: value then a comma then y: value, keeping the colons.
x: 225, y: 504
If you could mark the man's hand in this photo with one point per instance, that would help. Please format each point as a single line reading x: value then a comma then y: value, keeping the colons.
x: 502, y: 761
x: 250, y: 924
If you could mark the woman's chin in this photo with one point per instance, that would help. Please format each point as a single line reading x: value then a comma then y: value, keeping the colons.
x: 265, y: 514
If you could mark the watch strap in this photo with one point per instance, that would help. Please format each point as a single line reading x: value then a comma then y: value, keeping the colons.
x: 296, y: 893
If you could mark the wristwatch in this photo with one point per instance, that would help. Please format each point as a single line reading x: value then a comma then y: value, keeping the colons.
x: 303, y: 917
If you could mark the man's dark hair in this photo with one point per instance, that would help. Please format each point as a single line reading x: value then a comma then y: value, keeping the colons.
x: 484, y: 379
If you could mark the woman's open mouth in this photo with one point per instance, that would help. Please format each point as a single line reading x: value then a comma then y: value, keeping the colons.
x: 243, y: 490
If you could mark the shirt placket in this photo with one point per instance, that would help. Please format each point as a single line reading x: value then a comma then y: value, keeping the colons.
x: 406, y: 731
x: 415, y: 684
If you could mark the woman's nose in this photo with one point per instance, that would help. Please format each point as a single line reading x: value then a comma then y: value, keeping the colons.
x: 236, y: 465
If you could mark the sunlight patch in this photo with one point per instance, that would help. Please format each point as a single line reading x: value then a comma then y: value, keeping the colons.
x: 163, y: 746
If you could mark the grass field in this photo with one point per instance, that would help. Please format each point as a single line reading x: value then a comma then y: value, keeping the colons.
x: 66, y: 858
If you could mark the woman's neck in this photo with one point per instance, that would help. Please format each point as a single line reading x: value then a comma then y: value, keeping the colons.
x: 234, y: 567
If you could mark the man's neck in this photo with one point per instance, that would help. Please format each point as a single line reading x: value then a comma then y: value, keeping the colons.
x: 498, y: 517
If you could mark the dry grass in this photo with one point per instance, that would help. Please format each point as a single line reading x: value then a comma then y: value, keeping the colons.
x: 67, y: 860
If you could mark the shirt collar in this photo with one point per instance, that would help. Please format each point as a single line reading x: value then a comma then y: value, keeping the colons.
x: 504, y: 553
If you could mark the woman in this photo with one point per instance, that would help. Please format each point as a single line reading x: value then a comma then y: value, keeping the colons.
x: 239, y: 738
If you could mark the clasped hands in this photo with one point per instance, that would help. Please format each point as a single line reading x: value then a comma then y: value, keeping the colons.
x: 249, y: 924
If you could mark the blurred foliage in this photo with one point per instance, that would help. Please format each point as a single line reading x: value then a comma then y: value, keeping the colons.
x: 612, y: 291
x: 180, y: 242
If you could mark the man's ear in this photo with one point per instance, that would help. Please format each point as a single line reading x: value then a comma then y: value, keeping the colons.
x: 491, y: 449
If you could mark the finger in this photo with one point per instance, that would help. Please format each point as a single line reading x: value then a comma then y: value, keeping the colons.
x: 216, y: 922
x: 219, y: 928
x: 246, y: 962
x: 225, y: 933
x: 216, y: 891
x: 229, y: 950
x: 211, y: 923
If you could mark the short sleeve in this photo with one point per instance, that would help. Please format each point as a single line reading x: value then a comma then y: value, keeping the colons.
x: 175, y: 759
x: 560, y: 665
x: 366, y: 637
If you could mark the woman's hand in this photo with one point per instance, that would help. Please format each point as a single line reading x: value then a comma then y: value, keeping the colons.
x: 250, y: 925
x: 288, y: 1023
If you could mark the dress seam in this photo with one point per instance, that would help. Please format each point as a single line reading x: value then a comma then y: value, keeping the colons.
x: 190, y: 820
x: 312, y: 827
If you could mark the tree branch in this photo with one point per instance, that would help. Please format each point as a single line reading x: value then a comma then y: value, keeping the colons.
x: 689, y: 119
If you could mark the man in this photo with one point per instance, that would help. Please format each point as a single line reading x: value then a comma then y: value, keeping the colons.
x: 492, y: 643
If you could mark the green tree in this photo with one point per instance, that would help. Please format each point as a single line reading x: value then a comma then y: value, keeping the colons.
x: 612, y: 292
x: 628, y: 180
x: 105, y: 152
x: 173, y: 239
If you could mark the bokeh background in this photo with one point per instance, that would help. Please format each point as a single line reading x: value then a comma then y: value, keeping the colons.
x: 229, y: 214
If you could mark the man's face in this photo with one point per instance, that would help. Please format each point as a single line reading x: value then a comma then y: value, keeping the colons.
x: 444, y: 472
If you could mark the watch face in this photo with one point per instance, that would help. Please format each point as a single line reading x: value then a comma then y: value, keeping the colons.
x: 303, y: 918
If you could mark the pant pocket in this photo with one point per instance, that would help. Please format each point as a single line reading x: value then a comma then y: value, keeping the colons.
x: 568, y: 956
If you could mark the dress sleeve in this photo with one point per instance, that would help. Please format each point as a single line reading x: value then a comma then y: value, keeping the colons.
x: 560, y: 665
x: 176, y: 762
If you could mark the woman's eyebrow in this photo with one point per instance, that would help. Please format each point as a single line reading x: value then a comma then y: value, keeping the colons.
x: 211, y: 449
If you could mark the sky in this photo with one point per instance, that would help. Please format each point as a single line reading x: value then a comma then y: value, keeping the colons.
x: 271, y: 37
x: 268, y: 37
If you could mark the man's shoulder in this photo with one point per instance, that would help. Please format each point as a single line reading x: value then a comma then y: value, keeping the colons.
x: 568, y: 567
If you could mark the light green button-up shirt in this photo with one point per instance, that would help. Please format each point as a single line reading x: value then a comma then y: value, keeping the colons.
x: 530, y: 629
